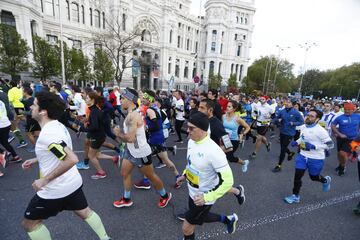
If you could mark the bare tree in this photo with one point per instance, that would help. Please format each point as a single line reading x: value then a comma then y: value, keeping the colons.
x: 118, y: 44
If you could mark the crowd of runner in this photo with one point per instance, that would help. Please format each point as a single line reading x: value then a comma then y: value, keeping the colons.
x: 136, y: 125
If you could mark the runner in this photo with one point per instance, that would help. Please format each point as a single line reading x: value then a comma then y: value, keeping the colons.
x: 312, y: 142
x: 288, y: 119
x: 348, y: 130
x: 137, y: 152
x: 179, y: 115
x: 327, y: 117
x: 263, y: 114
x: 60, y: 185
x: 209, y: 177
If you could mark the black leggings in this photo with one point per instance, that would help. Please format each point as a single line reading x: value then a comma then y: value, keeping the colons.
x: 178, y: 126
x: 230, y: 155
x: 299, y: 173
x: 284, y: 143
x: 4, y: 136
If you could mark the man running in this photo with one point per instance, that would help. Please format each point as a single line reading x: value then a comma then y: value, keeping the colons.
x: 348, y: 130
x: 137, y: 152
x: 313, y: 142
x: 209, y: 177
x: 60, y: 184
x: 288, y: 118
x: 263, y: 114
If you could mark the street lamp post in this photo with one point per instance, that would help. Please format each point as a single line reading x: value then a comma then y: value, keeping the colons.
x: 306, y: 46
x: 277, y: 65
x: 61, y: 47
x: 264, y: 83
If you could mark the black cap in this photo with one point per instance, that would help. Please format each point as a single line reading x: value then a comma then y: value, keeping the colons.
x: 200, y: 120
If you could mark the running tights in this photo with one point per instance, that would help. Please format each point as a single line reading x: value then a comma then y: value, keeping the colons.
x: 299, y: 173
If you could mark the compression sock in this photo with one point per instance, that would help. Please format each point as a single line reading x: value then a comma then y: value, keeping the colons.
x: 40, y: 233
x: 95, y: 223
x: 127, y: 195
x: 19, y: 136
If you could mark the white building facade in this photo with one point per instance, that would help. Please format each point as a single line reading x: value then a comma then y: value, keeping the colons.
x: 176, y: 44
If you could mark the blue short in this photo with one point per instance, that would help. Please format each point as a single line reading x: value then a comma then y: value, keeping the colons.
x: 314, y: 166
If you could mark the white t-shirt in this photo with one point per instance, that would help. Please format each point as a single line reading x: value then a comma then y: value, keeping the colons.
x: 179, y: 105
x: 204, y: 160
x: 317, y: 136
x: 4, y: 120
x: 326, y: 121
x: 67, y: 183
x: 118, y: 95
x: 264, y: 112
x: 80, y: 105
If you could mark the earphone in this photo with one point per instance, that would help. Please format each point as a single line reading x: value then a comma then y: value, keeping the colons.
x: 41, y: 113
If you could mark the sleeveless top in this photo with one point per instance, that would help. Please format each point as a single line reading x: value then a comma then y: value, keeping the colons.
x: 231, y: 127
x: 140, y: 148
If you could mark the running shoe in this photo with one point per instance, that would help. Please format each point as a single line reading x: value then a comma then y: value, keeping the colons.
x: 82, y: 166
x: 10, y: 139
x: 277, y: 169
x: 22, y: 144
x: 142, y: 185
x: 174, y: 150
x: 245, y: 166
x: 3, y: 159
x: 356, y: 210
x: 326, y: 185
x: 121, y: 203
x: 15, y: 159
x: 292, y: 199
x: 268, y: 146
x: 98, y: 175
x: 341, y: 171
x: 179, y: 141
x: 181, y: 216
x: 241, y: 196
x: 232, y: 224
x: 291, y: 156
x: 252, y: 156
x: 160, y: 165
x: 164, y: 201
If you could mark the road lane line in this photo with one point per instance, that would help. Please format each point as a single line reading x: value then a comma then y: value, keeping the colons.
x: 283, y: 215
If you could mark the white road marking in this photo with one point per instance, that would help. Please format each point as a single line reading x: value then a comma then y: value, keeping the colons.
x: 108, y: 150
x: 283, y: 215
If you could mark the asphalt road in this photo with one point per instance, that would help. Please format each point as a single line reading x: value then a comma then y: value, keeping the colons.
x: 264, y: 215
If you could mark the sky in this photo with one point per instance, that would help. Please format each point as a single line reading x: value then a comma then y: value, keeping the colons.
x: 333, y: 25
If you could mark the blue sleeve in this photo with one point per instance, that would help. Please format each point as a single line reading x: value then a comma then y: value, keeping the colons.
x: 299, y: 120
x: 336, y: 121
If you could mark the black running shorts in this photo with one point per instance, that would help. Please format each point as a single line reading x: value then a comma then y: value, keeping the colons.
x: 40, y: 208
x: 343, y: 144
x: 196, y: 214
x: 96, y: 143
x: 262, y: 130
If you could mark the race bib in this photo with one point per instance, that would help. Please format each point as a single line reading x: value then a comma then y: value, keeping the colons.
x: 192, y: 176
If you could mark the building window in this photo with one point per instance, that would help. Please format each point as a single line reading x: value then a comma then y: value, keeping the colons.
x: 179, y: 24
x: 97, y: 46
x: 236, y: 37
x: 219, y: 71
x: 197, y: 32
x: 103, y: 21
x: 241, y: 20
x: 214, y: 33
x: 244, y: 37
x: 91, y: 17
x: 68, y: 10
x: 76, y: 44
x: 124, y: 22
x: 180, y: 6
x: 241, y: 72
x: 8, y: 18
x: 246, y: 21
x: 194, y: 70
x: 49, y: 7
x: 205, y: 47
x: 211, y: 67
x: 83, y: 14
x: 146, y: 36
x: 236, y: 69
x: 41, y: 5
x: 97, y: 18
x: 186, y: 69
x: 75, y: 12
x: 238, y: 52
x: 189, y: 29
x: 221, y: 48
x: 213, y: 47
x: 177, y: 68
x: 52, y: 39
x: 237, y: 19
x: 232, y: 68
x: 178, y: 42
x: 196, y: 46
x: 170, y: 36
x: 187, y: 44
x: 169, y: 66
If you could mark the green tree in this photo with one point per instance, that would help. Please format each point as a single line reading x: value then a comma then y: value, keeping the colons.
x: 214, y: 81
x: 232, y: 84
x: 14, y: 51
x: 103, y: 66
x: 80, y: 66
x: 46, y: 59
